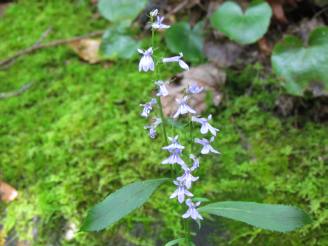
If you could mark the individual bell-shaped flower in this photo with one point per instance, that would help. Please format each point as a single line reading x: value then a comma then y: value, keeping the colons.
x: 194, y: 89
x: 195, y: 163
x: 183, y: 107
x: 158, y: 24
x: 147, y: 107
x: 153, y: 13
x: 205, y: 126
x: 162, y: 90
x: 177, y: 59
x: 174, y: 157
x: 207, y: 148
x: 152, y: 127
x: 146, y: 62
x: 187, y: 177
x: 174, y: 144
x: 180, y: 192
x: 192, y: 211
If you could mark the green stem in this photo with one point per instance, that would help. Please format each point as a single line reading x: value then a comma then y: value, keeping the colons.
x: 159, y: 98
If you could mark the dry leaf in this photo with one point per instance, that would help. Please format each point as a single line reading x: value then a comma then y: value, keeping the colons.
x: 7, y: 193
x: 223, y: 54
x: 3, y: 6
x: 264, y: 46
x: 87, y: 49
x: 208, y: 76
x: 278, y: 10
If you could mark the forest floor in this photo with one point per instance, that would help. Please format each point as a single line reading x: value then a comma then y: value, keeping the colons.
x: 76, y: 135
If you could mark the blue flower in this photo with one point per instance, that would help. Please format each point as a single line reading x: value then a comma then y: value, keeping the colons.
x: 205, y: 126
x: 153, y: 13
x: 177, y: 59
x: 187, y: 178
x: 192, y: 211
x: 146, y: 62
x: 183, y: 107
x: 159, y: 23
x: 174, y: 157
x: 207, y: 148
x: 147, y: 107
x: 195, y: 163
x: 180, y: 192
x: 162, y: 90
x: 195, y: 89
x: 152, y: 127
x: 174, y: 144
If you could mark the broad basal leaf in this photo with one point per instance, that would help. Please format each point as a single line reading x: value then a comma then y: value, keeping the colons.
x: 279, y: 218
x: 119, y: 204
x: 118, y: 45
x: 244, y: 28
x: 181, y: 38
x: 121, y: 10
x: 298, y: 65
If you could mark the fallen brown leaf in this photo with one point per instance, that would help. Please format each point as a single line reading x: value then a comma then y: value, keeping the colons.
x: 7, y: 192
x: 3, y: 6
x: 87, y: 49
x: 208, y: 76
x: 264, y: 46
x: 223, y: 54
x: 278, y: 10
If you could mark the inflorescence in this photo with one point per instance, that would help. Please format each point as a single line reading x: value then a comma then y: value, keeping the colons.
x: 174, y: 147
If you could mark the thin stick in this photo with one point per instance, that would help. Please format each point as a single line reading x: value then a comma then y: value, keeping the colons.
x: 47, y: 45
x: 5, y: 95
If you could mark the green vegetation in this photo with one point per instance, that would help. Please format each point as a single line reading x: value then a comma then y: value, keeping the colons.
x: 76, y: 136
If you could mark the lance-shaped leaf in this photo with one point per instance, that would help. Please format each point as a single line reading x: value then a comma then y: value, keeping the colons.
x: 244, y: 28
x: 119, y: 204
x: 281, y: 218
x: 299, y: 65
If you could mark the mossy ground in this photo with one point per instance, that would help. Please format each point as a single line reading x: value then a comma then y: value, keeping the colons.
x: 76, y: 136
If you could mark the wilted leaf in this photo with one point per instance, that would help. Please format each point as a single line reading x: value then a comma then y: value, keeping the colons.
x: 7, y: 192
x: 121, y: 10
x: 244, y: 28
x: 300, y: 65
x: 181, y: 38
x: 279, y: 218
x: 209, y: 76
x: 87, y: 49
x: 119, y: 204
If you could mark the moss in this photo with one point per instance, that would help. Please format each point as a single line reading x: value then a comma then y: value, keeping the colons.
x: 76, y: 136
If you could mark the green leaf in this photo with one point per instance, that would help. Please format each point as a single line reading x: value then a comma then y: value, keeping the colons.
x: 119, y: 204
x: 175, y: 242
x: 121, y: 10
x: 244, y: 28
x: 279, y: 218
x: 117, y: 45
x: 181, y: 38
x: 299, y: 65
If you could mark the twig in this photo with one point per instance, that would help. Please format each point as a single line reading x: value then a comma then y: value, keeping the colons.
x: 5, y: 95
x: 46, y: 45
x: 43, y: 36
x: 178, y: 8
x: 38, y: 42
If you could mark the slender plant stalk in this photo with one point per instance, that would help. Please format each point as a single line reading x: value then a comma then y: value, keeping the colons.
x: 173, y: 170
x: 158, y: 97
